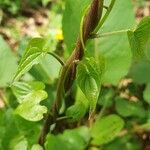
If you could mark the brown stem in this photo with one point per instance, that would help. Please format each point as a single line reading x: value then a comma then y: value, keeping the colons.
x: 90, y: 22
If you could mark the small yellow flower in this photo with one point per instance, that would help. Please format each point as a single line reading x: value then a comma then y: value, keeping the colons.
x: 59, y: 35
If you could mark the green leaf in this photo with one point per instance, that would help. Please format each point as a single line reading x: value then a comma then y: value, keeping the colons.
x: 14, y: 129
x: 54, y: 143
x: 146, y: 93
x: 36, y: 147
x: 140, y: 40
x: 30, y: 109
x: 89, y: 77
x: 140, y: 45
x: 126, y: 142
x: 128, y: 108
x: 36, y: 49
x: 80, y: 98
x: 19, y: 143
x: 76, y: 112
x: 8, y: 64
x: 79, y: 109
x: 70, y: 140
x: 48, y: 68
x: 22, y: 89
x: 71, y: 23
x: 140, y: 71
x: 76, y: 138
x: 6, y: 132
x: 27, y: 128
x: 116, y: 49
x: 106, y: 129
x: 106, y: 97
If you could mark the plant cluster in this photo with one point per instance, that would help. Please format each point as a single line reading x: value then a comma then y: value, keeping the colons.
x: 93, y: 93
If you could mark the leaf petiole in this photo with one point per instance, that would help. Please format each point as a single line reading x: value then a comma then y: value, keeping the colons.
x: 57, y: 57
x: 98, y: 35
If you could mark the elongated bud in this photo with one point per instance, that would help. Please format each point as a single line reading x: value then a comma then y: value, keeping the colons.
x: 92, y: 18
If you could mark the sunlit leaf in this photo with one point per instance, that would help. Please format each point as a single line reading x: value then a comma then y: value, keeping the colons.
x: 22, y: 89
x: 30, y: 109
x: 36, y: 147
x: 36, y: 49
x: 19, y: 143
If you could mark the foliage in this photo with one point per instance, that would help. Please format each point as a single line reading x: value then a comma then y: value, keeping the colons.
x: 89, y: 90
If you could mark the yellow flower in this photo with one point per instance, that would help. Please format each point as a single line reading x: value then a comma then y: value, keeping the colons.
x: 59, y: 35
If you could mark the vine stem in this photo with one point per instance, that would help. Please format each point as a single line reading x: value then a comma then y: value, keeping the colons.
x: 98, y: 35
x: 90, y: 21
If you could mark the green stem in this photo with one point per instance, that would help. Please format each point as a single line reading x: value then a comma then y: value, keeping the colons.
x: 105, y: 16
x: 98, y: 35
x: 57, y: 57
x: 63, y: 118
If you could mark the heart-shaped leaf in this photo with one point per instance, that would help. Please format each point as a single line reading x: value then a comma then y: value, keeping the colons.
x: 79, y: 109
x: 89, y: 77
x: 30, y: 109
